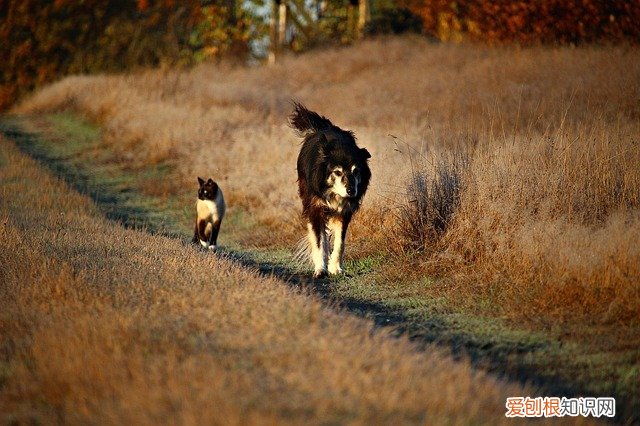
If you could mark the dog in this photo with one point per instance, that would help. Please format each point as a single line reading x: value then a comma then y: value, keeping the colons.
x: 210, y: 208
x: 333, y: 177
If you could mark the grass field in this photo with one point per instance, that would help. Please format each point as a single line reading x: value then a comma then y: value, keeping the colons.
x: 535, y: 274
x: 111, y: 325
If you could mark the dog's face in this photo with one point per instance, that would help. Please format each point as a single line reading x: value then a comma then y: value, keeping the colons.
x: 208, y: 189
x: 347, y: 173
x: 332, y: 167
x: 344, y: 180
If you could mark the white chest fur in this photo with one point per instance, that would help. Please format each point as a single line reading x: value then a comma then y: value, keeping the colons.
x: 211, y: 210
x: 336, y: 203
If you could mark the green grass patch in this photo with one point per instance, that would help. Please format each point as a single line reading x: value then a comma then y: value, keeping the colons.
x: 73, y: 149
x: 562, y: 361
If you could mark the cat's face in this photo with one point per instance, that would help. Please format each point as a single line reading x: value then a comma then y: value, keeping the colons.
x: 208, y: 189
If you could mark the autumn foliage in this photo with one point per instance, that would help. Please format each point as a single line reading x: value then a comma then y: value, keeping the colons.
x: 531, y: 22
x: 51, y: 38
x: 45, y: 39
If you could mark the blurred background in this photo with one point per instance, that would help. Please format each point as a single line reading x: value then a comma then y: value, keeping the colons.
x: 42, y: 40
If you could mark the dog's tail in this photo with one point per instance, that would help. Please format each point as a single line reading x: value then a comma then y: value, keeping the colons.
x: 305, y: 121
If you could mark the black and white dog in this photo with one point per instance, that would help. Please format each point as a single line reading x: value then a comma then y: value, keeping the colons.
x: 333, y: 176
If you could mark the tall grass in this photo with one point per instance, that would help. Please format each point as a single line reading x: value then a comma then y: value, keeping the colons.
x: 542, y: 218
x: 433, y: 196
x: 106, y: 325
x: 553, y: 220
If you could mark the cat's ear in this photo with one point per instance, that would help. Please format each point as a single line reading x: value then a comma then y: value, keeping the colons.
x: 210, y: 181
x: 200, y: 180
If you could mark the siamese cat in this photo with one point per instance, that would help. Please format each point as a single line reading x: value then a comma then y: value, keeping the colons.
x: 210, y: 209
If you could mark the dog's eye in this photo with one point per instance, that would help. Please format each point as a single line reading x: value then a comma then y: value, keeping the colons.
x: 337, y: 173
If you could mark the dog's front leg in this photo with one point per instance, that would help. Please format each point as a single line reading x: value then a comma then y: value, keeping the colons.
x: 338, y: 227
x: 318, y: 241
x: 335, y: 260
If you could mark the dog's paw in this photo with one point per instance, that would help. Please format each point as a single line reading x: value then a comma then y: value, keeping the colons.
x: 212, y: 247
x: 319, y: 274
x: 335, y: 270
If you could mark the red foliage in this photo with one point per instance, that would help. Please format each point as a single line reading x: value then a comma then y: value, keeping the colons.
x: 143, y: 5
x: 540, y: 21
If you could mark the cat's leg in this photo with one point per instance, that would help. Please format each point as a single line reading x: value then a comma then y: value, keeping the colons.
x: 202, y: 233
x: 195, y: 238
x: 213, y: 240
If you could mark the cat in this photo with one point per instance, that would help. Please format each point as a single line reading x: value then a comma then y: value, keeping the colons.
x: 210, y: 208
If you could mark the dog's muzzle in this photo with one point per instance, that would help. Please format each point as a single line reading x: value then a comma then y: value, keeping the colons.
x: 351, y: 186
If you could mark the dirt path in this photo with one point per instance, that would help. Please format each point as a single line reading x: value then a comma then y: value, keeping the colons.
x: 424, y: 333
x: 113, y: 325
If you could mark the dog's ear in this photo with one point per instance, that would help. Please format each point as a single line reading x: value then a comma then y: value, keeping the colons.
x: 200, y: 180
x: 316, y: 174
x: 365, y: 153
x: 210, y: 181
x: 316, y: 179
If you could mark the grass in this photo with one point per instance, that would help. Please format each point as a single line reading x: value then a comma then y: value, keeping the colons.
x: 543, y: 358
x: 433, y: 198
x: 74, y: 152
x: 112, y: 325
x: 542, y: 239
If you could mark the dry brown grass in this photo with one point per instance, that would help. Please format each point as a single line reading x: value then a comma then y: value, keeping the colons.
x: 432, y: 200
x: 547, y: 226
x: 550, y: 225
x: 106, y: 325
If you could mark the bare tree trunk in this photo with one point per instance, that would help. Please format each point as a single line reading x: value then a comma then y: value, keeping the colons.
x: 364, y: 14
x: 282, y: 25
x: 273, y: 32
x: 277, y: 29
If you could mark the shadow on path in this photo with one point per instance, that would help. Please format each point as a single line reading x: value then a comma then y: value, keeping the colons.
x: 116, y: 201
x: 508, y: 360
x: 492, y: 357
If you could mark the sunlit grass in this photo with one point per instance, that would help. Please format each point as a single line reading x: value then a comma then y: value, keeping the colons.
x: 108, y: 325
x: 546, y: 228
